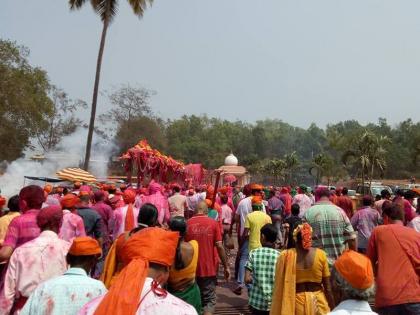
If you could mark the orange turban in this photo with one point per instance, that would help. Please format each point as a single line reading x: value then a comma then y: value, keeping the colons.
x: 149, y: 245
x: 85, y: 246
x: 48, y: 188
x: 224, y: 190
x: 256, y: 200
x: 356, y: 269
x: 69, y: 201
x: 129, y: 196
x: 256, y: 187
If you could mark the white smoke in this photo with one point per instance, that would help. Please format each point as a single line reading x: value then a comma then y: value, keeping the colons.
x: 69, y: 153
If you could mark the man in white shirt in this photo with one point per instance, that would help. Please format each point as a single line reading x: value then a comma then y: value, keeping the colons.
x: 177, y: 202
x: 353, y: 284
x: 244, y: 208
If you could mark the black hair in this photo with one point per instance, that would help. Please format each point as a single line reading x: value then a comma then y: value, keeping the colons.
x: 394, y: 212
x: 148, y: 215
x: 84, y: 198
x: 224, y: 199
x: 270, y: 232
x: 65, y: 191
x: 13, y: 204
x: 367, y: 200
x: 176, y: 189
x: 385, y: 193
x: 295, y: 209
x: 324, y: 192
x: 178, y: 224
x: 345, y: 191
x: 73, y: 260
x: 409, y: 194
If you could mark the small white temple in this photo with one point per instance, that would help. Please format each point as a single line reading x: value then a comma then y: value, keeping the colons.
x: 232, y: 167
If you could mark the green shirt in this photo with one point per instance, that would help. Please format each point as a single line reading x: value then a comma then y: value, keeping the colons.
x: 262, y: 264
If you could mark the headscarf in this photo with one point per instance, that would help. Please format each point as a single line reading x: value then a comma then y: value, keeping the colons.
x: 52, y: 216
x: 154, y: 187
x: 306, y: 232
x: 69, y: 201
x: 123, y: 296
x: 85, y: 246
x: 356, y: 269
x: 129, y: 196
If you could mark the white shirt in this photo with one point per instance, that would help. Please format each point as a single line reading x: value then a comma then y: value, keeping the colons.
x: 244, y: 208
x: 151, y: 305
x: 353, y: 307
x: 415, y: 223
x: 63, y: 295
x: 32, y: 263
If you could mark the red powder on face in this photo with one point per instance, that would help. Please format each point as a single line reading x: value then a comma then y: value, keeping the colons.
x: 50, y: 306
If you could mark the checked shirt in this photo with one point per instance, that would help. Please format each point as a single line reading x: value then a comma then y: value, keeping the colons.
x: 262, y: 264
x: 331, y: 228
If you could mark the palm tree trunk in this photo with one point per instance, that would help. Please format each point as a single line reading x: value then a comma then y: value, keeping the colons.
x: 95, y: 96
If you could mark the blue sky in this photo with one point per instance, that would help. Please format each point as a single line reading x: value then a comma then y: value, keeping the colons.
x: 300, y: 61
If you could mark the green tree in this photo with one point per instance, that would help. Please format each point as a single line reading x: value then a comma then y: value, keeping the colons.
x: 24, y: 101
x: 60, y: 121
x: 291, y: 162
x: 368, y: 155
x: 322, y: 165
x: 106, y: 9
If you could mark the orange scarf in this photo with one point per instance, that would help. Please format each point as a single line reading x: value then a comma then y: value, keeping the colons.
x: 129, y: 219
x: 148, y: 245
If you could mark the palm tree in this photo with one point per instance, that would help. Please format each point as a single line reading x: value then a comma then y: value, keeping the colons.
x: 367, y: 154
x: 274, y: 168
x: 322, y: 165
x: 291, y: 162
x: 106, y: 9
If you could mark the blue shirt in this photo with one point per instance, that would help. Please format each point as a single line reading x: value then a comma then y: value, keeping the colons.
x: 64, y: 295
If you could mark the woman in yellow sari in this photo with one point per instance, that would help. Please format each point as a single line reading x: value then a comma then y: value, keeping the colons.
x: 181, y: 282
x: 302, y: 279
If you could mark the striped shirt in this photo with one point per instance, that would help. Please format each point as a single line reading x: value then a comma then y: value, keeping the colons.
x: 331, y: 228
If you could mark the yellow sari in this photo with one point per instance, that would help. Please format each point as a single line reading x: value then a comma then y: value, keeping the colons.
x: 285, y: 299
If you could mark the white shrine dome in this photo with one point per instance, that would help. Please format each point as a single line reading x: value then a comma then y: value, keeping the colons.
x: 231, y: 160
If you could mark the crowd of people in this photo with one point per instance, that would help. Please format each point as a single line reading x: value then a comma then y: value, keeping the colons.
x: 159, y: 249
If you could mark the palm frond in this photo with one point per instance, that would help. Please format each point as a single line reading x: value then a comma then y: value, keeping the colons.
x: 106, y: 9
x: 76, y: 4
x: 139, y: 6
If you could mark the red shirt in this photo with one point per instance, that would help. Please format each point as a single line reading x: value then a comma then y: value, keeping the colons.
x: 206, y: 232
x: 345, y: 203
x: 396, y: 249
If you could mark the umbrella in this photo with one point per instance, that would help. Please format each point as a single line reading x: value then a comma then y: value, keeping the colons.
x: 76, y: 175
x: 229, y: 178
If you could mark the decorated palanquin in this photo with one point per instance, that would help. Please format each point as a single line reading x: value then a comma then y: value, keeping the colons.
x: 149, y: 162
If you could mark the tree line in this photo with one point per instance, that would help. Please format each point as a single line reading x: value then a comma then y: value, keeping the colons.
x: 33, y: 112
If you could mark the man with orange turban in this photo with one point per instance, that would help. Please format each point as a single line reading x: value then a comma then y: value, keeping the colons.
x: 35, y: 261
x: 138, y: 288
x: 353, y: 284
x: 73, y: 225
x: 244, y: 208
x: 126, y: 216
x: 68, y: 293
